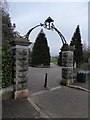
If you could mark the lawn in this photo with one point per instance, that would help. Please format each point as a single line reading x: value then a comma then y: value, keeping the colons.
x: 54, y: 60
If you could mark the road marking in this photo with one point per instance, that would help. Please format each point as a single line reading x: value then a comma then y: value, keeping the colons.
x: 37, y: 93
x: 43, y: 114
x: 45, y: 90
x: 78, y: 87
x: 55, y: 88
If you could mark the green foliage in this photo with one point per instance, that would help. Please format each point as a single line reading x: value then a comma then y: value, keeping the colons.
x: 54, y: 60
x: 29, y: 57
x: 60, y: 59
x: 40, y: 53
x: 86, y: 54
x: 76, y: 43
x: 6, y: 65
x: 85, y: 66
x: 7, y: 31
x: 7, y: 36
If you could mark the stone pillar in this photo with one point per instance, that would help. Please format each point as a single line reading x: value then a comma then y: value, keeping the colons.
x: 20, y: 67
x: 67, y: 65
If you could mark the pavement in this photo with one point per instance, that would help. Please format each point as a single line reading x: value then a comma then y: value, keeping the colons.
x: 62, y: 102
x: 56, y: 101
x: 18, y: 109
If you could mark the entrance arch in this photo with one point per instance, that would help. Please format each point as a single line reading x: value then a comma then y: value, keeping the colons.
x: 20, y: 57
x: 67, y: 51
x: 48, y: 24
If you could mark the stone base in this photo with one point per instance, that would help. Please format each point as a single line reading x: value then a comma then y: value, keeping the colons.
x: 6, y: 96
x: 67, y: 82
x: 21, y: 94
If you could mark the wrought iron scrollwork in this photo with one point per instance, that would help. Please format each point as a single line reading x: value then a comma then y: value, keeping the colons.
x: 49, y: 26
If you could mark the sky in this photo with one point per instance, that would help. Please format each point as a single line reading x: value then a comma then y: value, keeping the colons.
x: 66, y: 16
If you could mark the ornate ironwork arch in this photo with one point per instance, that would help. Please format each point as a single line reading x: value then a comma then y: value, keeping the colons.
x: 48, y: 24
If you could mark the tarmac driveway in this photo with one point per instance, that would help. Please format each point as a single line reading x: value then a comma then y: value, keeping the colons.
x: 56, y: 102
x: 63, y: 102
x: 37, y: 77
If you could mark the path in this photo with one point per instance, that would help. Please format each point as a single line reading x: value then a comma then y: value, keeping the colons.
x: 37, y: 76
x: 55, y: 102
x: 63, y: 102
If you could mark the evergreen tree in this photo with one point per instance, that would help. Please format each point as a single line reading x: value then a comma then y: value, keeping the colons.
x: 60, y: 56
x: 7, y: 36
x: 40, y: 53
x: 60, y: 59
x: 76, y: 43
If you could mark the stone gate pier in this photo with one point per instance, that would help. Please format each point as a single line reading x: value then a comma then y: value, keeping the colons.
x: 20, y: 67
x: 67, y: 65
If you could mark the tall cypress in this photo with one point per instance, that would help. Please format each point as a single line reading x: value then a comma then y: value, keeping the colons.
x: 40, y: 53
x: 77, y: 44
x: 60, y: 59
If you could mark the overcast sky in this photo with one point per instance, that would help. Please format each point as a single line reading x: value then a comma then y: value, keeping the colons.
x: 66, y: 15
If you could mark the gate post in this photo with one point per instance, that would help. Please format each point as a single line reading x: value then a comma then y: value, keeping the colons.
x: 67, y: 65
x: 20, y: 67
